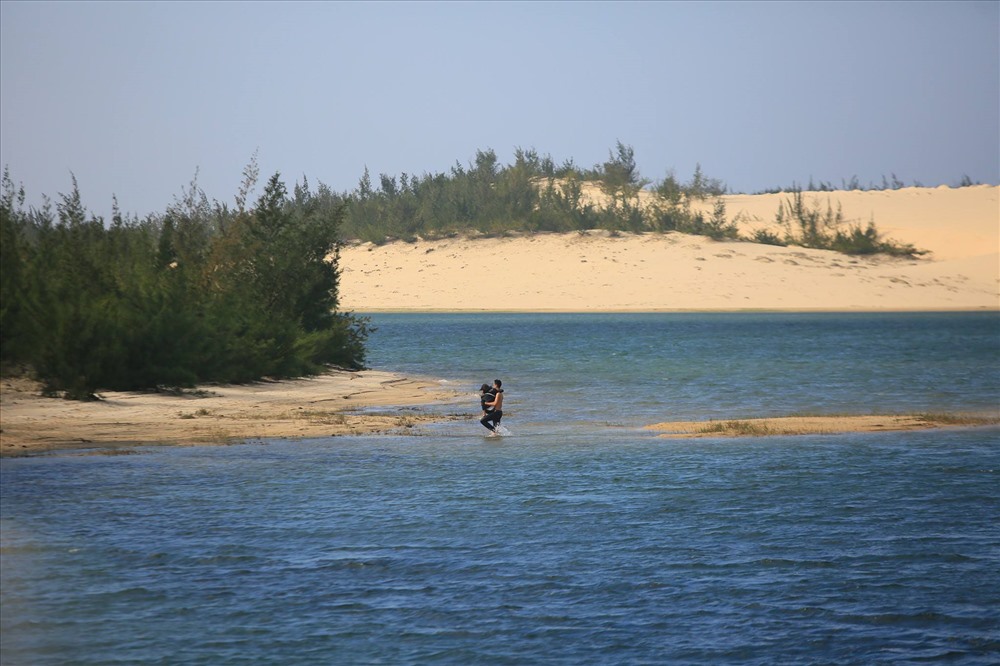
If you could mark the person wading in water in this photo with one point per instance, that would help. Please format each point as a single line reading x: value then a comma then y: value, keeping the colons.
x: 493, y: 407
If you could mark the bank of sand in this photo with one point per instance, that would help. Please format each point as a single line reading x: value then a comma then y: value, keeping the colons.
x: 819, y: 425
x: 327, y: 405
x: 602, y: 272
x: 588, y: 272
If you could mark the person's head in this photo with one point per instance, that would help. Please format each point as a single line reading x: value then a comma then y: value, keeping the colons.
x: 497, y: 383
x: 484, y: 388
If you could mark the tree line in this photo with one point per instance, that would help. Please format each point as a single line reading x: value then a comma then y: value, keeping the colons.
x: 535, y: 195
x: 854, y: 183
x: 201, y: 293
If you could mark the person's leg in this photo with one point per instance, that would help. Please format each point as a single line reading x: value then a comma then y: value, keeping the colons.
x: 497, y: 415
x: 486, y: 421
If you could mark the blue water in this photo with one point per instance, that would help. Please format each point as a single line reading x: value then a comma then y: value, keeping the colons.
x: 578, y: 539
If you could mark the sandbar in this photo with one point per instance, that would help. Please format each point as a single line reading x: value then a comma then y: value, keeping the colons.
x: 818, y: 425
x: 332, y: 404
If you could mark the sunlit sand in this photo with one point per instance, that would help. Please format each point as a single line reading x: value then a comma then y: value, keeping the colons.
x: 323, y: 406
x: 598, y: 271
x: 818, y: 425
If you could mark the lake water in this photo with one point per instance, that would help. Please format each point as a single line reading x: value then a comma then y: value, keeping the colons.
x: 580, y: 538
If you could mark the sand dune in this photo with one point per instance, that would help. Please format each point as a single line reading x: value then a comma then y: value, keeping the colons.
x: 600, y: 271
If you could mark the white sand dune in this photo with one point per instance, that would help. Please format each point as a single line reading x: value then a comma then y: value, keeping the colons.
x: 597, y: 271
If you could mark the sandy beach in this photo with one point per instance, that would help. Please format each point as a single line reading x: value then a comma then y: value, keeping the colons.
x: 586, y: 272
x: 603, y: 272
x: 327, y: 405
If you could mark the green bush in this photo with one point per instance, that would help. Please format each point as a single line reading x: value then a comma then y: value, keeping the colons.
x: 814, y: 227
x: 766, y: 237
x: 198, y: 294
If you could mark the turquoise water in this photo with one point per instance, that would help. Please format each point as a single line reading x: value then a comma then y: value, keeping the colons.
x: 578, y: 539
x: 639, y: 369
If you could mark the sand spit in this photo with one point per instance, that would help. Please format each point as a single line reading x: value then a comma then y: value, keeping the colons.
x: 322, y: 406
x: 818, y: 425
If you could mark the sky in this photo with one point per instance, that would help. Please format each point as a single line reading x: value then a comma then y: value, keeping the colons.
x: 137, y: 99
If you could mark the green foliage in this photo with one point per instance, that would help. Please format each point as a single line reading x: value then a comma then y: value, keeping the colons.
x: 868, y: 240
x: 670, y: 189
x: 681, y: 218
x: 766, y: 237
x: 198, y: 294
x: 530, y: 195
x: 814, y: 227
x: 702, y: 187
x: 15, y: 251
x: 854, y: 183
x: 533, y: 195
x: 805, y: 226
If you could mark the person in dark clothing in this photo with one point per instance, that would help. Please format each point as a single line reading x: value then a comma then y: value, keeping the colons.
x: 492, y: 402
x: 486, y: 395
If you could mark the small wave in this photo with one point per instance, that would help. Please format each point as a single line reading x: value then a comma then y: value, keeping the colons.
x: 378, y: 563
x: 917, y: 619
x: 782, y: 562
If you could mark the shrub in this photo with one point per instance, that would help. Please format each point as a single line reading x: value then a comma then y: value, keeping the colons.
x: 198, y: 294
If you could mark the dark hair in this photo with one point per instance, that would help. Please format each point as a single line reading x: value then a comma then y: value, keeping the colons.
x: 498, y: 382
x: 484, y: 387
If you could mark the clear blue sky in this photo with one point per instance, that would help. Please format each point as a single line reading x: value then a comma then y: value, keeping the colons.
x: 134, y: 97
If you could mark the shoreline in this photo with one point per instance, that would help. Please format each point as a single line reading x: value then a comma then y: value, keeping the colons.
x: 335, y: 404
x: 328, y: 405
x: 830, y: 311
